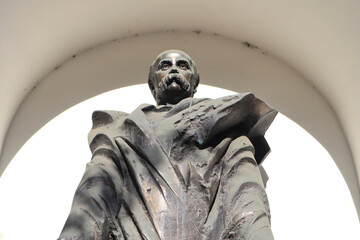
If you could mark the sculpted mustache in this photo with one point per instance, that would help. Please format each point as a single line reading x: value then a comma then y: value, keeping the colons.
x: 174, y: 77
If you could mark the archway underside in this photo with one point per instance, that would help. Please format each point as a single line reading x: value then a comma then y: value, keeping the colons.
x: 230, y: 64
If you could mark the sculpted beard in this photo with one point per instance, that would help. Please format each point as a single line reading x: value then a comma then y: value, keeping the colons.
x: 171, y: 78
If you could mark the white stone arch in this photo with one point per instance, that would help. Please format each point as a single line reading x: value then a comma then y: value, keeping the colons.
x: 223, y: 62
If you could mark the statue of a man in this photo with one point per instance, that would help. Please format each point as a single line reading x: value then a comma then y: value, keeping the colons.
x: 184, y: 169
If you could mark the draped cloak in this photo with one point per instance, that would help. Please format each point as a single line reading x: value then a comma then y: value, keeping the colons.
x: 187, y: 171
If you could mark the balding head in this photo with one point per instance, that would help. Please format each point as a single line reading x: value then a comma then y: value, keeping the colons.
x: 173, y: 76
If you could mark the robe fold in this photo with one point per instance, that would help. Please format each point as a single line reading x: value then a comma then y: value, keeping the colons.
x: 188, y: 171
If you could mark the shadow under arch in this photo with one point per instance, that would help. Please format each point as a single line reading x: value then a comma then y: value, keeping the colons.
x: 229, y: 65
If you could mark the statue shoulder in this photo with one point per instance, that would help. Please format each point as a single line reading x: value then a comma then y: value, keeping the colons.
x: 101, y: 118
x: 106, y: 123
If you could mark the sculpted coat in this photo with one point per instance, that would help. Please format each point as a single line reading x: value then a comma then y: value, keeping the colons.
x: 186, y: 171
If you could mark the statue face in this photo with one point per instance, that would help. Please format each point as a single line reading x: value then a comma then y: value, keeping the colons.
x: 173, y: 77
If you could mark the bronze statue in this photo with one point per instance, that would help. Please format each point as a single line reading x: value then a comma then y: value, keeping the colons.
x: 184, y: 169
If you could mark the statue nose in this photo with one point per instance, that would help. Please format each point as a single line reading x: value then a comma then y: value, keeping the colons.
x: 174, y: 70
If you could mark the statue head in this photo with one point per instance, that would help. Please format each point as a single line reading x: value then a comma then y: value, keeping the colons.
x: 173, y: 76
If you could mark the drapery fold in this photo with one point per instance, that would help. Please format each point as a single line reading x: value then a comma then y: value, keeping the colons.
x: 188, y: 171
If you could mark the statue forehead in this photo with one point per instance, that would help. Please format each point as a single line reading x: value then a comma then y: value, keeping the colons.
x: 172, y: 54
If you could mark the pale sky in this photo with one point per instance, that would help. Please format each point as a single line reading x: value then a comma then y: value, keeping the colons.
x: 308, y: 196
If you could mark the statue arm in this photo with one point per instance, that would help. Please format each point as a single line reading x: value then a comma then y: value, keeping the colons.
x: 92, y: 212
x: 98, y: 196
x: 248, y: 212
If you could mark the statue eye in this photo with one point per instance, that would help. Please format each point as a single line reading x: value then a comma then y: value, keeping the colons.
x: 164, y: 66
x: 183, y: 66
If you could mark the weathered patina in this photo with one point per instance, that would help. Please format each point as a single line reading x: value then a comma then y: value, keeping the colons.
x: 184, y: 169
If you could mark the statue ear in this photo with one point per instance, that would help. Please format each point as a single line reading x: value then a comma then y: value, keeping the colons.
x: 197, y: 81
x: 150, y: 80
x: 151, y: 86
